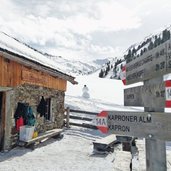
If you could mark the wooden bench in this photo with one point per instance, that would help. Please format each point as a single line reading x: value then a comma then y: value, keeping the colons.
x: 105, y: 144
x: 55, y: 133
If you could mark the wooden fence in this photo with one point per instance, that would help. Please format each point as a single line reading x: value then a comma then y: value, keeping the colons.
x: 78, y: 118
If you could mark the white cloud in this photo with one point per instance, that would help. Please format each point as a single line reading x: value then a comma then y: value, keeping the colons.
x: 67, y: 27
x: 115, y: 17
x: 70, y: 30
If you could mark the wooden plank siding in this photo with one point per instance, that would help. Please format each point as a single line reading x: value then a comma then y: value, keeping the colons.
x: 13, y: 74
x: 1, y: 74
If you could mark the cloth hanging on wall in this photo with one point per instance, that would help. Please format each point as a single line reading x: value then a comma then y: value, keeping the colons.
x: 19, y: 122
x: 21, y: 110
x: 30, y: 117
x: 41, y: 108
x: 24, y: 115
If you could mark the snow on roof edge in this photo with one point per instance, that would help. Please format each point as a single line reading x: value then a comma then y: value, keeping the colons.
x: 10, y: 54
x: 12, y: 46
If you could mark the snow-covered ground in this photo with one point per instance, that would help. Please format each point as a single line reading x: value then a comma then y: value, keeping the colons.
x: 74, y: 152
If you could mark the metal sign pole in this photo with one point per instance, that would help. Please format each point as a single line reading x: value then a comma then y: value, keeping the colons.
x: 155, y: 148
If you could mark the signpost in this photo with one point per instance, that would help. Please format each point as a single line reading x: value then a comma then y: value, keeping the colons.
x: 154, y: 125
x: 139, y: 96
x: 155, y: 148
x: 153, y: 63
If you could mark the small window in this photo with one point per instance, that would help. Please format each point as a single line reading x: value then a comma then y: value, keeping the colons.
x: 48, y: 109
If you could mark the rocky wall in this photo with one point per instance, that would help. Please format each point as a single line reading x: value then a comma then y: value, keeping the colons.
x: 32, y: 95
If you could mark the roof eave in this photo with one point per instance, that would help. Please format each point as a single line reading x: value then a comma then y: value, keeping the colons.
x: 36, y: 65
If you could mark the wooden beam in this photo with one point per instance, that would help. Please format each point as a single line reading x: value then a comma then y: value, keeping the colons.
x: 80, y: 118
x: 47, y: 134
x: 83, y: 125
x: 155, y: 148
x: 84, y: 112
x: 36, y: 65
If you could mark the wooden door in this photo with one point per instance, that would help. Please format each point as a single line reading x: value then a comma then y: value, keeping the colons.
x: 1, y: 121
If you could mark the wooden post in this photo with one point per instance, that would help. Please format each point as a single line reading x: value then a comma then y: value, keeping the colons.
x: 67, y: 117
x: 150, y: 69
x: 155, y: 149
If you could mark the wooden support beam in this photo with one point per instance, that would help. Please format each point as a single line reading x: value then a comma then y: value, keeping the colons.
x: 155, y: 148
x: 67, y: 117
x: 80, y: 118
x: 83, y: 125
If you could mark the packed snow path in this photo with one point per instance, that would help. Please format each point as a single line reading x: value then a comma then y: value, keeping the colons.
x: 74, y: 152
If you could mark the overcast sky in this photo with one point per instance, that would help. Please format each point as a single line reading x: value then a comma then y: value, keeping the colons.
x: 83, y: 29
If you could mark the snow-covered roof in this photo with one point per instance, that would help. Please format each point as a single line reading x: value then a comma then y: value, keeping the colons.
x: 15, y: 50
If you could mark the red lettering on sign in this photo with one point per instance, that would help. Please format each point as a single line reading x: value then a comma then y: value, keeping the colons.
x: 100, y: 122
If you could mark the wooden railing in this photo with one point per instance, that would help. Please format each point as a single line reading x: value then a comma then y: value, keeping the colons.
x: 69, y: 115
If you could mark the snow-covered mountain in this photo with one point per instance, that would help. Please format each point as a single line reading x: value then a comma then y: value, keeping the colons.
x: 150, y: 42
x: 78, y: 67
x: 72, y: 67
x: 110, y: 66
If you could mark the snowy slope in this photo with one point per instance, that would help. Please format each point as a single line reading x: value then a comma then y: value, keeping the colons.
x: 102, y: 90
x: 76, y: 67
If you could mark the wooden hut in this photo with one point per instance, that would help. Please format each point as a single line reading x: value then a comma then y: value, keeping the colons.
x: 27, y: 77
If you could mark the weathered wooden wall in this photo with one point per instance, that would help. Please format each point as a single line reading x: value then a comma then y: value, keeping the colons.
x: 13, y: 74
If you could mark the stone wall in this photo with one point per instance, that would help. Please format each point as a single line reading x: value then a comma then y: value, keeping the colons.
x: 32, y: 95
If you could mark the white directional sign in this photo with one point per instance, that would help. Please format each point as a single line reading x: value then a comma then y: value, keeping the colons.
x: 138, y: 124
x: 149, y: 96
x: 151, y: 64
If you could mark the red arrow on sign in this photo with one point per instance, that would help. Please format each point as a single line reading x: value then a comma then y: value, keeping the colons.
x: 101, y: 122
x: 168, y: 93
x: 123, y: 74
